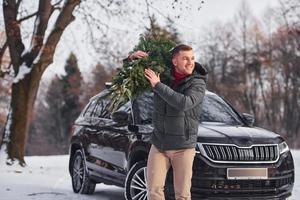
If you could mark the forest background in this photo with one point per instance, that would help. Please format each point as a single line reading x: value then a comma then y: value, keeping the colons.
x: 253, y: 62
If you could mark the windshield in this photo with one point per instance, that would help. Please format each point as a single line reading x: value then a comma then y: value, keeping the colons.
x: 215, y: 109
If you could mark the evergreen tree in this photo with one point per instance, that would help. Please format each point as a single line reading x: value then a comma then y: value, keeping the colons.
x: 71, y: 90
x: 155, y: 31
x: 46, y: 129
x: 96, y: 82
x: 55, y: 115
x: 130, y: 81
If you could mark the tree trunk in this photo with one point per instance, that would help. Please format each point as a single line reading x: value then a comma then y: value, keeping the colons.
x: 21, y: 107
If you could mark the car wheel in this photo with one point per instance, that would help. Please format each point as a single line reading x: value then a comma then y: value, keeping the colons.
x: 81, y: 182
x: 135, y: 184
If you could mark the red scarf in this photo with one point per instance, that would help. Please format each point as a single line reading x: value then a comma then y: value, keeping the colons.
x: 178, y: 77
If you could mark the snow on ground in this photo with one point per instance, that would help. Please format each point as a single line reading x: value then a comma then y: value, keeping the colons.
x: 47, y: 178
x: 296, y: 191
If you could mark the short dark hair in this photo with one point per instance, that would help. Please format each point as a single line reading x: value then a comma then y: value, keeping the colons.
x: 180, y: 47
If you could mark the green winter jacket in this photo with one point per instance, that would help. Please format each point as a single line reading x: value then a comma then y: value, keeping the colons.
x: 177, y: 111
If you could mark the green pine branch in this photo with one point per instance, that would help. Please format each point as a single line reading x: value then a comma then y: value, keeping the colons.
x: 130, y: 81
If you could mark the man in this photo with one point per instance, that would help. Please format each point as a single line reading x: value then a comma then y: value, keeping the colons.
x: 176, y: 115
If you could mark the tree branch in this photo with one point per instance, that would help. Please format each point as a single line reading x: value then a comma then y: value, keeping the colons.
x: 13, y: 32
x: 148, y: 12
x: 284, y: 13
x: 63, y: 20
x: 18, y: 4
x: 41, y: 22
x: 27, y: 17
x: 56, y: 6
x: 57, y: 3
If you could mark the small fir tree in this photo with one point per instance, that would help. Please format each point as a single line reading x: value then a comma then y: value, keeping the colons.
x: 130, y: 80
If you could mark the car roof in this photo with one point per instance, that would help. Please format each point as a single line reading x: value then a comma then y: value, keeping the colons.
x: 106, y: 91
x: 209, y: 93
x: 101, y: 94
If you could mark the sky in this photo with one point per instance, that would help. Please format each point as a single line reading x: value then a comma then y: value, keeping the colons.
x: 224, y: 10
x: 221, y: 10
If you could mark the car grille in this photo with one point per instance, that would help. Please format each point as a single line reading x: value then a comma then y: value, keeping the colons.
x: 233, y: 153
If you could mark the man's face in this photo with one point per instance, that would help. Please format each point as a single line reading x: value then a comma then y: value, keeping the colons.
x: 184, y: 62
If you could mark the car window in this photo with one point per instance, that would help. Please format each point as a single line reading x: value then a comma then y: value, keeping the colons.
x: 215, y: 109
x: 142, y: 108
x: 90, y: 107
x: 101, y: 110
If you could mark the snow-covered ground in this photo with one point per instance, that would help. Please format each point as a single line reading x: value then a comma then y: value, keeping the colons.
x: 47, y: 178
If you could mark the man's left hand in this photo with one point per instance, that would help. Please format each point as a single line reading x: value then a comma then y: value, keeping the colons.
x: 152, y: 77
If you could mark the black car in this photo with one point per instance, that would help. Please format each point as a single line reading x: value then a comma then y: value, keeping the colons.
x: 233, y: 160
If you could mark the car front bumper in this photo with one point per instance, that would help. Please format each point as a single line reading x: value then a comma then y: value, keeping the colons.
x: 210, y: 180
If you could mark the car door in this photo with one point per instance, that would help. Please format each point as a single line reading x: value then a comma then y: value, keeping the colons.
x: 109, y: 140
x: 118, y: 137
x: 142, y: 108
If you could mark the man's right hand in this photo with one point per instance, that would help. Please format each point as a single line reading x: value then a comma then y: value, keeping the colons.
x: 137, y: 55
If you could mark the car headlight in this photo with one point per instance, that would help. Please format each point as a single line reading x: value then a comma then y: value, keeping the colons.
x: 283, y: 147
x: 200, y: 149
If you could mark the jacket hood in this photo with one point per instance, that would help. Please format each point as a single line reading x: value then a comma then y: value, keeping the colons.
x: 199, y: 69
x: 199, y: 72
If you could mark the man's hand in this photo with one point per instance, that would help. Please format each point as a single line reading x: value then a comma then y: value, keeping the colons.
x: 137, y: 55
x: 152, y: 77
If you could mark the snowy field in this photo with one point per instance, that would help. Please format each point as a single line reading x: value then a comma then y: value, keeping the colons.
x: 47, y: 177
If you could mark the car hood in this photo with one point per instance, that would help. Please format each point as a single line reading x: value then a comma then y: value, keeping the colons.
x: 211, y: 132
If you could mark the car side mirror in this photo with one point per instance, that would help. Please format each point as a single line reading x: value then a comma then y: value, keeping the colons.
x: 248, y: 118
x: 120, y: 116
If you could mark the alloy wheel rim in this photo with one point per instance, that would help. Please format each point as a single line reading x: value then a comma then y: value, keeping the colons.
x: 138, y: 186
x: 78, y: 172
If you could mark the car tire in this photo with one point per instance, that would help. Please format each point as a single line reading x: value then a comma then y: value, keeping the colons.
x: 81, y: 182
x: 135, y: 184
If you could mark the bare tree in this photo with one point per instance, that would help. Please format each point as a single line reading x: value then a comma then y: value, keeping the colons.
x: 245, y: 18
x: 263, y: 64
x: 29, y: 64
